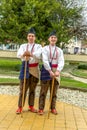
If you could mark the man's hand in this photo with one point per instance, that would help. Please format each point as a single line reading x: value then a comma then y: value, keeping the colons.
x: 51, y: 73
x: 26, y: 53
x: 57, y: 73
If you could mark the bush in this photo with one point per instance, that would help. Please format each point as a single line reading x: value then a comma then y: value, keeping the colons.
x: 74, y: 63
x: 82, y: 67
x: 10, y: 64
x: 17, y: 67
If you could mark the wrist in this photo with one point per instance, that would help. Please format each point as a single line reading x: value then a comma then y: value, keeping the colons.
x: 23, y: 55
x: 31, y: 55
x: 58, y: 71
x: 49, y: 71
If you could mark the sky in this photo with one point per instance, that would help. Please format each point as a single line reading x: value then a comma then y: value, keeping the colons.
x: 85, y: 12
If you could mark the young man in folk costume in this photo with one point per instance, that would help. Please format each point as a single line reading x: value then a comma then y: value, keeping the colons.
x: 32, y: 69
x: 53, y: 62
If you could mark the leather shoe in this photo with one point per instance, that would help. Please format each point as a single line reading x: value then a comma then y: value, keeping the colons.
x: 40, y: 112
x: 19, y: 110
x: 54, y: 111
x: 32, y: 109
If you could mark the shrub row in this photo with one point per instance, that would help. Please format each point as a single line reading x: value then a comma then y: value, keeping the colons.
x: 10, y: 64
x: 74, y: 63
x: 82, y: 67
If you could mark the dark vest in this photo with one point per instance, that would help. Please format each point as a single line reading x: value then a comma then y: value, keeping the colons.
x: 21, y: 76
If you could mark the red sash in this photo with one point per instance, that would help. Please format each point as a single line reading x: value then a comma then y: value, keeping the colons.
x: 33, y: 65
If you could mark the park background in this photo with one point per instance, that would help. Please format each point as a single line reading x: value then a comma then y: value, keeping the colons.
x: 69, y: 19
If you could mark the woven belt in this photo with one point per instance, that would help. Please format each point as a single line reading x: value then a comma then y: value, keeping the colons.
x: 54, y: 65
x: 33, y: 65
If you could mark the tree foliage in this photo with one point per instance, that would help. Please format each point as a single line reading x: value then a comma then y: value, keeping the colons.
x: 17, y: 16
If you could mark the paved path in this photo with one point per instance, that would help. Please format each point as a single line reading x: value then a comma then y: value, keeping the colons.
x: 7, y: 76
x: 74, y: 77
x: 69, y: 117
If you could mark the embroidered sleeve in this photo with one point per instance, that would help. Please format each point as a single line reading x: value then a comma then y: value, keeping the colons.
x: 20, y: 52
x: 60, y: 61
x: 45, y: 59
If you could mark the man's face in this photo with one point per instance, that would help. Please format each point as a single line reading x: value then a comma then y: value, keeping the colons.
x: 31, y: 38
x: 52, y: 39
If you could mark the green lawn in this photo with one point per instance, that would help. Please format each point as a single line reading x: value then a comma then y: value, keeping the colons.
x: 9, y: 64
x: 68, y: 82
x: 9, y: 72
x: 80, y: 73
x: 9, y: 80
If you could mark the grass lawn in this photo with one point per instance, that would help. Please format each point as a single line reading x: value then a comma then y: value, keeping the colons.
x: 79, y: 73
x: 9, y: 80
x: 9, y: 72
x: 68, y: 82
x: 10, y: 66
